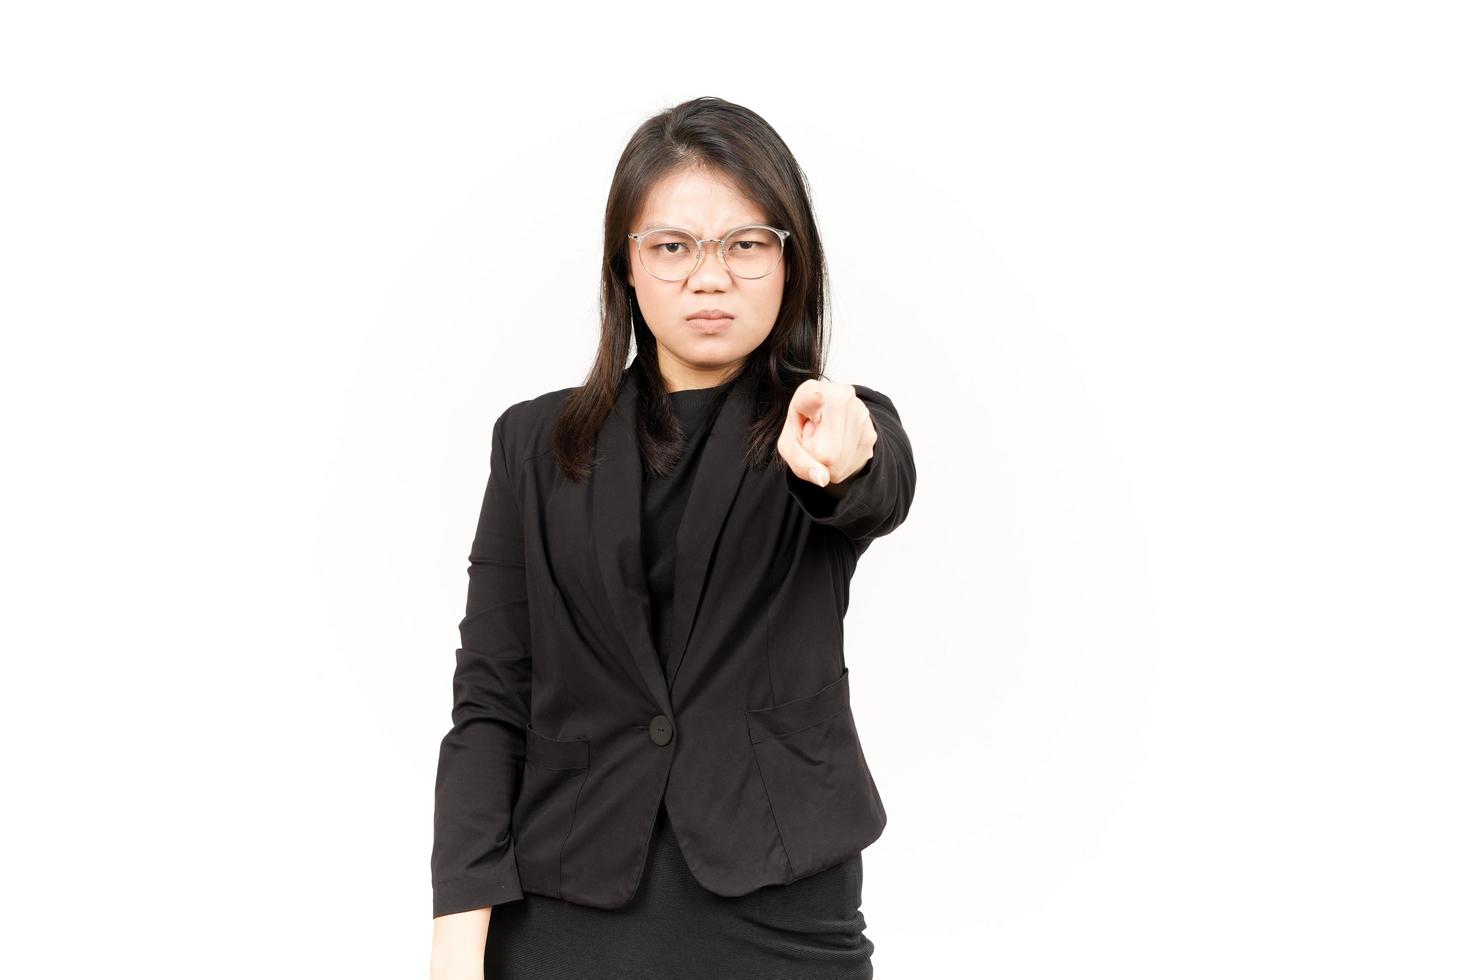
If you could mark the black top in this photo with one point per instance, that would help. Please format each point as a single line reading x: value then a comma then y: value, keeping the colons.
x: 664, y: 499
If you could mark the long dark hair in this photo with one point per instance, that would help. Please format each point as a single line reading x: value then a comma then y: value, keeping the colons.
x: 741, y: 147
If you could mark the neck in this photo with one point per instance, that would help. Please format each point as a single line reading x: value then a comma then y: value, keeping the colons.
x: 678, y: 376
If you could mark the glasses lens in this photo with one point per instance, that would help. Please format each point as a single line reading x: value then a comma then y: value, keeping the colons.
x: 752, y: 252
x: 668, y: 254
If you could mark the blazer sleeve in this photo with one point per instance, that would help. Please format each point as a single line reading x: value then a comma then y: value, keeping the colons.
x: 875, y: 500
x: 473, y: 860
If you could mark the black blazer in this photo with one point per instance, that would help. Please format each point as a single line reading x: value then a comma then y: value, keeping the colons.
x: 566, y: 733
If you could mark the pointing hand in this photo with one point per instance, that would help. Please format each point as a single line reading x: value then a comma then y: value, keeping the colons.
x: 829, y: 434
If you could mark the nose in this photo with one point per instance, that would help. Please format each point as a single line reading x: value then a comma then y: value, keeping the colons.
x: 710, y: 267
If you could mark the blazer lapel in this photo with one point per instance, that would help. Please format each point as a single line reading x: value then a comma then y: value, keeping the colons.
x: 717, y: 479
x: 617, y: 529
x: 617, y: 526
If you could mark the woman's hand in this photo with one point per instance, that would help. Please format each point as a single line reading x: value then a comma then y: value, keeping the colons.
x: 829, y: 435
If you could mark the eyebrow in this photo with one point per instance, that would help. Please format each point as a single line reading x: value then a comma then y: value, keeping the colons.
x: 675, y: 224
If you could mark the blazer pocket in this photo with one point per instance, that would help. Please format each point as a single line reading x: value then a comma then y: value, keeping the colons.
x: 546, y: 806
x: 555, y: 753
x: 822, y: 796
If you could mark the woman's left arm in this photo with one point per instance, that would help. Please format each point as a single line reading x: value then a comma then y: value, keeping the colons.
x: 851, y: 436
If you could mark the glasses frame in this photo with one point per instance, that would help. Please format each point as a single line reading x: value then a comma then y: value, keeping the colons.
x: 699, y: 244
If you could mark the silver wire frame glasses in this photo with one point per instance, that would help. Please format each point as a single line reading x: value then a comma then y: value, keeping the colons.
x: 765, y: 244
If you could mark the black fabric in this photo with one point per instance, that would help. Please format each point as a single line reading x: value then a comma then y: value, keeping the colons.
x: 552, y: 772
x: 674, y: 928
x: 664, y: 500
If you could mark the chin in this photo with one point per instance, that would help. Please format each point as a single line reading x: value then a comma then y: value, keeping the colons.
x: 708, y: 350
x: 713, y: 352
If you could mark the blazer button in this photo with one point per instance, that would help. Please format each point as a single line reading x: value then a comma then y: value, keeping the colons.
x: 661, y: 730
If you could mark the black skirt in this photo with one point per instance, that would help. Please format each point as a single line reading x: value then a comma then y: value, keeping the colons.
x: 675, y: 929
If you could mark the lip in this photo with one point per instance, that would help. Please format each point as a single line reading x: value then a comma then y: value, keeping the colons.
x: 711, y: 315
x: 709, y: 325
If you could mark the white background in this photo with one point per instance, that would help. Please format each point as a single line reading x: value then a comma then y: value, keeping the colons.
x: 1165, y: 675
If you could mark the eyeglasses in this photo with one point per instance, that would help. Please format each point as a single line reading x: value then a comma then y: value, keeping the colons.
x: 672, y: 254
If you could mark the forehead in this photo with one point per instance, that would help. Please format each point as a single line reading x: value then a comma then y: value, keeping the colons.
x: 699, y: 201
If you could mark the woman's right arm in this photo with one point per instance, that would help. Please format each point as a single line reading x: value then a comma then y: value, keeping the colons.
x: 473, y: 860
x: 459, y: 946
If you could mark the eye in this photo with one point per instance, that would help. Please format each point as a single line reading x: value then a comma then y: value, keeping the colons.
x: 753, y: 245
x: 668, y: 246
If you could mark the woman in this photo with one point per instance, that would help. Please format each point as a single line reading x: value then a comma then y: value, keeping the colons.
x: 654, y: 770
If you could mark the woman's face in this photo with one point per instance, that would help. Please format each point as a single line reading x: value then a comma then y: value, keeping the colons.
x: 698, y: 353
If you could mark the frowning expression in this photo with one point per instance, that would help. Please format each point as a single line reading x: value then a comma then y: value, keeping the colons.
x: 707, y: 324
